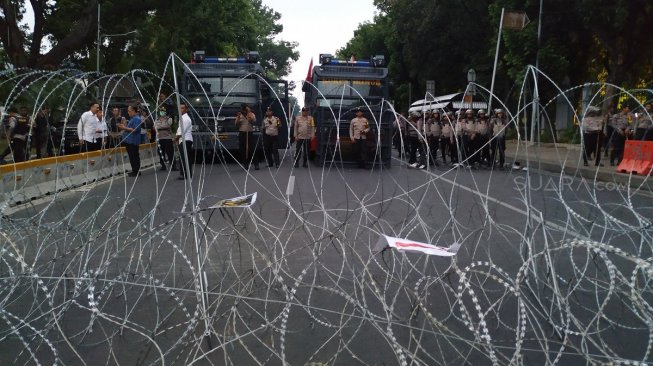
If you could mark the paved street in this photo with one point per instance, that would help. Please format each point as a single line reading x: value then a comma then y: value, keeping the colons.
x: 116, y: 271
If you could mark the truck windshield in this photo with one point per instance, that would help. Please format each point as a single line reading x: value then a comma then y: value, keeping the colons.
x: 226, y: 91
x: 350, y: 88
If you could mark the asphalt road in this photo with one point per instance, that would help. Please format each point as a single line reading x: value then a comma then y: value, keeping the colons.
x: 139, y: 271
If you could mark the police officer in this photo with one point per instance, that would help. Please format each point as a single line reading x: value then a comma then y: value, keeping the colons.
x: 19, y: 126
x: 359, y: 127
x: 483, y: 138
x: 461, y: 140
x: 435, y: 135
x: 645, y: 124
x: 413, y: 130
x: 245, y: 120
x: 447, y: 135
x: 304, y: 130
x: 469, y: 139
x: 498, y: 125
x: 592, y: 126
x: 271, y: 126
x: 8, y: 124
x: 19, y: 135
x: 621, y: 125
x: 401, y: 141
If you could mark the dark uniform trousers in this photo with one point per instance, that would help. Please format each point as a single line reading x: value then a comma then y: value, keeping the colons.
x: 186, y: 170
x: 247, y: 146
x: 271, y: 150
x: 593, y: 142
x: 134, y: 157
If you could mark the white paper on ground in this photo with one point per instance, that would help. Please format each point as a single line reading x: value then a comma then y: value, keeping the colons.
x: 407, y: 245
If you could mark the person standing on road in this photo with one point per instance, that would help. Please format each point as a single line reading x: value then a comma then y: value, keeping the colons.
x: 19, y: 135
x: 304, y: 128
x: 460, y: 132
x: 163, y: 128
x: 447, y: 135
x: 498, y: 125
x: 359, y: 127
x: 87, y: 128
x: 185, y: 134
x: 114, y: 132
x: 592, y: 126
x: 414, y: 129
x: 9, y: 126
x: 469, y: 139
x: 644, y: 131
x: 103, y: 131
x: 271, y: 126
x: 435, y: 136
x: 131, y: 138
x: 42, y: 132
x: 245, y: 120
x: 400, y: 140
x: 621, y: 125
x: 483, y: 138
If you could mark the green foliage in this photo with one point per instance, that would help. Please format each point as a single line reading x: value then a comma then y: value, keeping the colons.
x: 440, y: 40
x: 225, y: 28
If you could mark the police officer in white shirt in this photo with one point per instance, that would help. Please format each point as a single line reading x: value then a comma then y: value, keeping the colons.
x: 87, y: 127
x: 185, y: 133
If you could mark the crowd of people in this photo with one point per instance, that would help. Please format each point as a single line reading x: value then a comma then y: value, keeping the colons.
x: 437, y: 137
x: 96, y: 132
x: 465, y: 138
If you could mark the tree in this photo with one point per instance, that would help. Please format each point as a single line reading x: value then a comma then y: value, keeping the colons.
x: 66, y: 26
x: 65, y: 33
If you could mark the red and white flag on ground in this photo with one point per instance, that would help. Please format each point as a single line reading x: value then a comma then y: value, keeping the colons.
x: 406, y: 245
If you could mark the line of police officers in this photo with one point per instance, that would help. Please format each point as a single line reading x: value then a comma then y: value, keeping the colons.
x: 612, y: 131
x: 472, y: 140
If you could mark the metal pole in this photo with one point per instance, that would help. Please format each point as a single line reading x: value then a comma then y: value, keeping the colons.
x: 97, y: 49
x: 496, y: 60
x: 535, y: 120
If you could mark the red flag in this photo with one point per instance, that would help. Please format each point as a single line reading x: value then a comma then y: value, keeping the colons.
x: 309, y: 76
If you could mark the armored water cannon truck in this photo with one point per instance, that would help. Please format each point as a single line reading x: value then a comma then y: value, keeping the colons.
x: 336, y: 90
x: 217, y: 87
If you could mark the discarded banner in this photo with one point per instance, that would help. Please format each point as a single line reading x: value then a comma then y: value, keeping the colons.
x: 406, y: 245
x: 239, y: 202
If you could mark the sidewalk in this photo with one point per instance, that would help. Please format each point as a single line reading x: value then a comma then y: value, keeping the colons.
x: 567, y: 158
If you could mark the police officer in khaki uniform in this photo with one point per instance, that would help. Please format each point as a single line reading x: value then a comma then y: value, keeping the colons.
x: 621, y: 124
x: 447, y: 136
x: 460, y: 140
x: 19, y: 135
x: 483, y: 138
x: 359, y: 127
x: 435, y: 134
x: 592, y: 126
x: 469, y: 139
x: 245, y: 120
x: 304, y: 131
x: 498, y: 125
x: 271, y: 126
x: 414, y: 129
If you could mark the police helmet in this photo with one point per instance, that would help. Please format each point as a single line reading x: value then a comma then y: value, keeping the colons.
x: 481, y: 111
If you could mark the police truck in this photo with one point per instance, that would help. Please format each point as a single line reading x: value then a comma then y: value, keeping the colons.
x: 337, y: 89
x: 217, y: 87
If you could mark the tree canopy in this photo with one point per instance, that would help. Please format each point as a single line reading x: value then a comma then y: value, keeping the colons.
x: 585, y: 40
x: 145, y: 33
